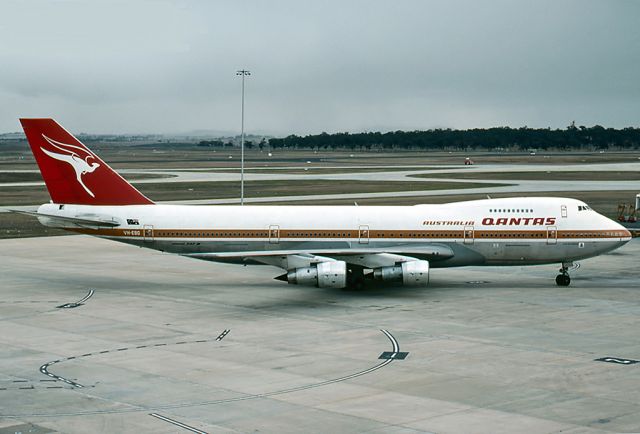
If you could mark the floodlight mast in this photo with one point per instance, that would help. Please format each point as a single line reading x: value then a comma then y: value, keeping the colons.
x: 243, y: 73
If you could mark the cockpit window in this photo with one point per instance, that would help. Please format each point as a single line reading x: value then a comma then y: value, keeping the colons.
x: 584, y: 208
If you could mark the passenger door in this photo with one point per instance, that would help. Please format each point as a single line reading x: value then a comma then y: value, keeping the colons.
x: 274, y: 234
x: 468, y: 235
x: 147, y: 233
x: 552, y: 235
x: 363, y: 234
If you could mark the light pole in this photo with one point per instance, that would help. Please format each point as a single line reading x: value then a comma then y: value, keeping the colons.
x: 243, y: 73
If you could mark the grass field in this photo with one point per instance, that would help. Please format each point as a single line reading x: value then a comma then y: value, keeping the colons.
x: 18, y: 156
x: 21, y: 226
x: 36, y: 177
x: 227, y: 189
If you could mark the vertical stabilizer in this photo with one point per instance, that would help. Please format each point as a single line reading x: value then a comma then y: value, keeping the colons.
x: 73, y: 174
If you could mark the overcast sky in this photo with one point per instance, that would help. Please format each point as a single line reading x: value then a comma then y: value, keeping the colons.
x: 169, y: 66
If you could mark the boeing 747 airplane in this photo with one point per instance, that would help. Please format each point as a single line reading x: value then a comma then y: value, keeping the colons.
x: 323, y: 246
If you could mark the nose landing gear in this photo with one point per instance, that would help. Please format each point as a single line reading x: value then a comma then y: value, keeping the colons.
x: 563, y: 279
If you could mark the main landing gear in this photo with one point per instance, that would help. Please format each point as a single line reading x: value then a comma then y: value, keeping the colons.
x: 355, y: 278
x: 563, y: 278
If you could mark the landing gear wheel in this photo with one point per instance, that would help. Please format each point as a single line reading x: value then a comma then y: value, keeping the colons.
x: 563, y: 280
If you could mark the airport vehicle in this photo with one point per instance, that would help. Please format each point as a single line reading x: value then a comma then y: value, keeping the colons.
x: 323, y: 246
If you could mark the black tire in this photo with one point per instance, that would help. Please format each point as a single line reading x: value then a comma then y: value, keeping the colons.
x: 563, y: 280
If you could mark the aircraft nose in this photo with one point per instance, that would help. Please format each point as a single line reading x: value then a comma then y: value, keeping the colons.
x: 625, y: 235
x: 615, y: 231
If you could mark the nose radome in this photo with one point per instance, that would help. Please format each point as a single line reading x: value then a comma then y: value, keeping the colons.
x: 625, y: 235
x: 611, y: 225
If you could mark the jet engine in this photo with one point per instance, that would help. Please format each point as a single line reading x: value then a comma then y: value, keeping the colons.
x: 410, y: 273
x: 332, y: 274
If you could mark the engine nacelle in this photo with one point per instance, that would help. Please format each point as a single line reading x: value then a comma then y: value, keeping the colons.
x: 410, y: 273
x: 331, y: 274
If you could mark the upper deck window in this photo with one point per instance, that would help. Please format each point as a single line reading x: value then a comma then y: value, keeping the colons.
x: 520, y: 210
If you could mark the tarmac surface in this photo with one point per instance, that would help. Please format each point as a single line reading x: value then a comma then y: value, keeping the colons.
x: 150, y: 342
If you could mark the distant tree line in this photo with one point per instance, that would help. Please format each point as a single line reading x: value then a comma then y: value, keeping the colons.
x: 596, y: 137
x: 219, y: 143
x: 214, y: 143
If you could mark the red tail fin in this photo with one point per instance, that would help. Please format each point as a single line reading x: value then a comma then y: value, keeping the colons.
x: 74, y: 174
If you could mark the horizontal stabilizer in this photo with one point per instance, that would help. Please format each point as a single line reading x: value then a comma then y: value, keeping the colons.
x: 79, y: 221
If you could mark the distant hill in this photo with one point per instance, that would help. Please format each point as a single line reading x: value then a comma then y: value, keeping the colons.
x: 189, y: 138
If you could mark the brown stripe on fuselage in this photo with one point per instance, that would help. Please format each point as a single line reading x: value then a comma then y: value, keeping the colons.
x: 348, y: 234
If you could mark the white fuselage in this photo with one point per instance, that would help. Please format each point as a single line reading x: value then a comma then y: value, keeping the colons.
x: 514, y: 231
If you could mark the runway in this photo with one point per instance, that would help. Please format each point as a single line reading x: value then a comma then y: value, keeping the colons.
x: 169, y: 344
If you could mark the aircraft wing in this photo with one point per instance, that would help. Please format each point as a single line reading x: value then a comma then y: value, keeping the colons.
x: 362, y: 256
x: 88, y: 221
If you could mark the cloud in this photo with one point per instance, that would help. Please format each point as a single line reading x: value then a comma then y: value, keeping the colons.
x: 324, y: 66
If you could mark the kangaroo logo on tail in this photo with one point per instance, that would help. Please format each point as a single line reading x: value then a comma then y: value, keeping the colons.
x: 76, y: 156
